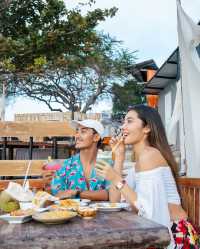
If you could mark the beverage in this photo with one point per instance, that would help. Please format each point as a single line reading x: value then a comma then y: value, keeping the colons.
x: 105, y: 156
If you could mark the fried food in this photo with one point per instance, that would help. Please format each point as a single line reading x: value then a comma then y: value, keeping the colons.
x: 69, y: 203
x: 20, y: 212
x: 87, y: 211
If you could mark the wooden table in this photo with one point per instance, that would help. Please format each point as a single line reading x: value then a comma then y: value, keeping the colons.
x: 108, y: 230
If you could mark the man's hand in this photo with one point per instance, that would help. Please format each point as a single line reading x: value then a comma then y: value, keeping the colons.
x: 66, y: 194
x: 47, y: 176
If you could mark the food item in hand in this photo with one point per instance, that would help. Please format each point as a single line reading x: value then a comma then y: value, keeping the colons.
x: 87, y: 212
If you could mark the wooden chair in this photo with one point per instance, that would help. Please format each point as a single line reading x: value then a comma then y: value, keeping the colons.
x: 17, y: 168
x: 190, y: 197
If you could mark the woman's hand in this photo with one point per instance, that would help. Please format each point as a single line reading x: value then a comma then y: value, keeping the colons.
x: 66, y: 194
x: 118, y: 147
x: 105, y: 171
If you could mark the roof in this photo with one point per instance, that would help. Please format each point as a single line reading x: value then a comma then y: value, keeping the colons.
x: 139, y: 70
x: 167, y: 72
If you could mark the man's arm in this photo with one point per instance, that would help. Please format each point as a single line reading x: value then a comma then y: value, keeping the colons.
x: 95, y: 195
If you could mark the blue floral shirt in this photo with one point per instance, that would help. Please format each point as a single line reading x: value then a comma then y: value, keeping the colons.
x: 71, y: 176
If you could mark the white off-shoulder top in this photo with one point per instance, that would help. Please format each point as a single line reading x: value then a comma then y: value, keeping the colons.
x: 155, y: 189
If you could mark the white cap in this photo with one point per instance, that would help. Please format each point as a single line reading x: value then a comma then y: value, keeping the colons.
x: 90, y: 123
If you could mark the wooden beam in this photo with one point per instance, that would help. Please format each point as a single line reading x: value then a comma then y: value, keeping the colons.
x: 188, y: 182
x: 33, y: 183
x: 18, y: 167
x: 35, y: 129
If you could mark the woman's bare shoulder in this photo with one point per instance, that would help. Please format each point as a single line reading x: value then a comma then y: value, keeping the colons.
x: 151, y: 158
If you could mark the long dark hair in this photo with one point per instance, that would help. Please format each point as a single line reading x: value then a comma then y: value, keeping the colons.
x: 157, y: 137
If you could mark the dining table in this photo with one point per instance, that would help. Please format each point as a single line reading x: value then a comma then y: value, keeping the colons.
x: 108, y: 230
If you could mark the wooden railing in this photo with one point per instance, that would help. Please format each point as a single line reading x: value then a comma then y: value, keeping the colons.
x: 190, y: 195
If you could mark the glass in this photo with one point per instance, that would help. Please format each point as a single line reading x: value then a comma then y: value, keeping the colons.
x: 105, y: 156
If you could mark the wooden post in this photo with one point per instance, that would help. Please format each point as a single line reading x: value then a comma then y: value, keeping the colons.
x: 30, y: 148
x: 55, y: 148
x: 4, y: 148
x: 10, y: 152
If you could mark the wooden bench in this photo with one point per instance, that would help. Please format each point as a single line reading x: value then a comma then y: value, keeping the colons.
x: 33, y: 130
x: 17, y: 168
x: 190, y: 196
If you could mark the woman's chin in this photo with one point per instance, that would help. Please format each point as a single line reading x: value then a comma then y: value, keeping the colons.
x: 127, y: 141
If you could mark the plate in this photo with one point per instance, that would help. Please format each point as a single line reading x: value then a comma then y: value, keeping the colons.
x: 15, y: 219
x: 110, y: 207
x: 54, y: 217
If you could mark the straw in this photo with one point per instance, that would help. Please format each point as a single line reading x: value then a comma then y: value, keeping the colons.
x: 26, y: 175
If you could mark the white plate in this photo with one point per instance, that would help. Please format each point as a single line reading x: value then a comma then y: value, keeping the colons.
x: 15, y: 219
x: 110, y: 207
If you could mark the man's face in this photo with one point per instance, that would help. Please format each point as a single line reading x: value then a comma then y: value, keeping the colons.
x: 85, y: 137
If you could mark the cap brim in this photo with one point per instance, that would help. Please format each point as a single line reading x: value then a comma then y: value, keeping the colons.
x: 74, y: 124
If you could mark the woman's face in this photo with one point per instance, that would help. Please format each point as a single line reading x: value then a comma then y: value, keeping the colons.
x: 133, y: 129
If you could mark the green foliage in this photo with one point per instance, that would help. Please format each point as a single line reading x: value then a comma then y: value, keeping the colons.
x: 56, y: 56
x: 124, y: 96
x: 38, y: 28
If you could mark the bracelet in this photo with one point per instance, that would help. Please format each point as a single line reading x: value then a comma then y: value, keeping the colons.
x: 78, y: 194
x: 120, y: 185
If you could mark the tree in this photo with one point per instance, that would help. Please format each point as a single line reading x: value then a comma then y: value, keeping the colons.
x: 84, y: 83
x: 56, y: 55
x: 36, y: 35
x: 124, y: 96
x: 41, y: 33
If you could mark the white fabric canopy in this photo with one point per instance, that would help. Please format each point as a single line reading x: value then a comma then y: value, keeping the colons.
x: 189, y: 38
x: 176, y: 116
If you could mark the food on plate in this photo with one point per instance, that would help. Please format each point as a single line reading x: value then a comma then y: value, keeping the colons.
x: 87, y: 211
x: 69, y: 203
x: 7, y: 203
x: 9, y: 206
x: 107, y: 205
x: 57, y: 214
x: 41, y: 198
x: 54, y: 207
x: 113, y: 205
x: 20, y: 212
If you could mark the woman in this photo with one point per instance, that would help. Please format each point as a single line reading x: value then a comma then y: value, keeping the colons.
x: 155, y: 194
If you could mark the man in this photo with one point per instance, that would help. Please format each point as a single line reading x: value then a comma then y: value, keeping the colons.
x: 77, y: 177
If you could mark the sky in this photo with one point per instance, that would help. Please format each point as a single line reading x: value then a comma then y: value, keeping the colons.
x: 146, y: 26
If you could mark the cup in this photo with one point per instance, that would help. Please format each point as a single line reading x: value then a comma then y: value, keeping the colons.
x: 105, y: 156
